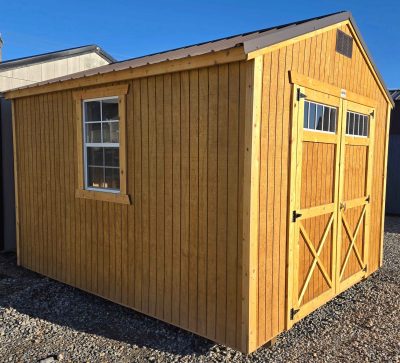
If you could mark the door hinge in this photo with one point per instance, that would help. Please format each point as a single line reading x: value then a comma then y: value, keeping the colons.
x: 300, y: 95
x: 365, y: 268
x: 296, y: 215
x: 372, y: 114
x: 293, y: 312
x: 368, y: 199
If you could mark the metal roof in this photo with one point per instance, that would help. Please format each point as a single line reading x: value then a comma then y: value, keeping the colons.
x: 395, y: 94
x: 250, y: 42
x: 45, y: 57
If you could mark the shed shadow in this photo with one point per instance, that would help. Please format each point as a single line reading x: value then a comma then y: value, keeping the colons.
x: 392, y: 224
x: 43, y: 298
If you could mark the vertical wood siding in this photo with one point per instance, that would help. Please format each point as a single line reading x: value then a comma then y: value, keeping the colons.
x: 316, y: 58
x: 175, y: 252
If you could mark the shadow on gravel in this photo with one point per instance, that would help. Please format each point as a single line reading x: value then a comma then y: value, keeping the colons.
x: 392, y: 224
x: 42, y: 298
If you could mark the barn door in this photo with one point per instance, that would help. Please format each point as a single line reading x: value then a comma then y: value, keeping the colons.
x: 355, y: 194
x: 316, y: 140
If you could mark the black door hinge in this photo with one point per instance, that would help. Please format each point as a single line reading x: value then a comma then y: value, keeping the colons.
x: 296, y: 215
x: 293, y: 312
x: 372, y: 114
x: 368, y: 199
x: 300, y: 95
x: 365, y: 268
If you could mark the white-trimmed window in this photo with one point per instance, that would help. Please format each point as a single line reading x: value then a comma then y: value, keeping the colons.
x: 319, y: 117
x: 101, y: 144
x: 357, y: 124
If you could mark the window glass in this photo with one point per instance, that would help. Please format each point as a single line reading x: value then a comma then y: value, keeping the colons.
x: 110, y: 109
x: 366, y: 124
x: 111, y: 132
x: 320, y: 110
x: 332, y: 120
x: 92, y: 111
x: 357, y: 124
x: 93, y: 132
x: 319, y: 117
x: 111, y: 157
x: 306, y: 114
x: 312, y: 115
x: 326, y: 119
x: 101, y: 149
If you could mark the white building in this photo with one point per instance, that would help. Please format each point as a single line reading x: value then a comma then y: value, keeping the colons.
x: 21, y: 72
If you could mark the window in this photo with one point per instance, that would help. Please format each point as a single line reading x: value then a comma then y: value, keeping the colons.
x: 101, y: 144
x: 357, y: 124
x: 319, y: 117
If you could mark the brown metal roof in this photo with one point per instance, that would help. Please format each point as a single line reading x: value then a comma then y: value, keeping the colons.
x: 250, y: 42
x: 395, y: 94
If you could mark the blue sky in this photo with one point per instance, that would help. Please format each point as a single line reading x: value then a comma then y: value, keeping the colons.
x: 128, y: 29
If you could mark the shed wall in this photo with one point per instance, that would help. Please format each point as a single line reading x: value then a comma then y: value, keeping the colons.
x: 175, y: 252
x: 316, y: 58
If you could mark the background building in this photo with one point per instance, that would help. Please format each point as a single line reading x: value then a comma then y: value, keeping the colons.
x: 22, y: 72
x: 393, y: 172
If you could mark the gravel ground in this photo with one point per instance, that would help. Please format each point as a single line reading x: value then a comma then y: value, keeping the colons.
x: 43, y: 320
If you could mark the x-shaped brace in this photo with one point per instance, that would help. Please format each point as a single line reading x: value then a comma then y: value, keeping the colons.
x: 353, y: 245
x: 316, y: 254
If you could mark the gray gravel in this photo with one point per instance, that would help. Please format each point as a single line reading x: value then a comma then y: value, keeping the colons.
x: 43, y: 320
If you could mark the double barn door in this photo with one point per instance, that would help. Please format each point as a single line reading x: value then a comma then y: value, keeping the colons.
x: 332, y: 140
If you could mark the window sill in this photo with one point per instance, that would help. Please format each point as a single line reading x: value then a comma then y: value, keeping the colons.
x: 103, y: 196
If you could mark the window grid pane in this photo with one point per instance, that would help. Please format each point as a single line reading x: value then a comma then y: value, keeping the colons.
x: 357, y: 124
x: 101, y: 149
x: 319, y: 117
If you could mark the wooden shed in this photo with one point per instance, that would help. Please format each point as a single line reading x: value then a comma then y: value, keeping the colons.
x: 225, y: 187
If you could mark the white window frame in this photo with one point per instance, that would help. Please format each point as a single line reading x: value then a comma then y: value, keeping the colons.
x: 329, y: 121
x: 360, y: 114
x: 92, y: 144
